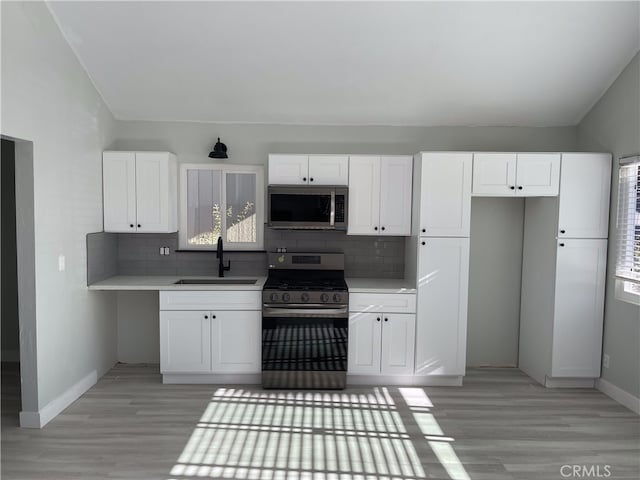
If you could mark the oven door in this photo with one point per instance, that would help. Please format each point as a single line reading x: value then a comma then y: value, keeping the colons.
x: 301, y: 207
x: 304, y: 347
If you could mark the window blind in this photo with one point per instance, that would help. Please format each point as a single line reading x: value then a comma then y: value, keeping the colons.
x: 628, y: 222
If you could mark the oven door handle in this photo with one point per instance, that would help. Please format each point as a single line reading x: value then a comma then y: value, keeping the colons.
x: 268, y: 311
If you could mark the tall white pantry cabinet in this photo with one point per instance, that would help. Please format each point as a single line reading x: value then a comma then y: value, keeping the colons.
x: 563, y: 275
x: 440, y: 243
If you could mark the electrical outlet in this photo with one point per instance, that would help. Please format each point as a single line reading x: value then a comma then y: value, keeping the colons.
x: 605, y: 361
x: 161, y: 250
x: 166, y: 250
x: 61, y: 263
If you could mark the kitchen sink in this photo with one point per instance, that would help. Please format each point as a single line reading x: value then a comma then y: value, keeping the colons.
x: 216, y: 281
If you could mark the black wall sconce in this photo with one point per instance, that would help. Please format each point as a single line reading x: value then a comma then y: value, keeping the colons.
x: 219, y: 150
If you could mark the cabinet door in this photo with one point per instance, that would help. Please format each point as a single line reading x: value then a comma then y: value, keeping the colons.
x: 396, y: 184
x: 328, y: 170
x: 119, y: 191
x: 445, y: 194
x: 494, y: 174
x: 152, y: 191
x: 185, y: 342
x: 364, y: 195
x: 398, y: 340
x: 236, y: 341
x: 579, y: 308
x: 441, y: 324
x: 364, y: 343
x: 538, y: 174
x: 288, y: 169
x: 585, y: 180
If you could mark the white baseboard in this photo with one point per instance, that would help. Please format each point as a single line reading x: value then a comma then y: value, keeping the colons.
x: 621, y: 396
x: 10, y: 355
x: 212, y: 378
x: 52, y: 409
x: 556, y: 382
x: 408, y: 380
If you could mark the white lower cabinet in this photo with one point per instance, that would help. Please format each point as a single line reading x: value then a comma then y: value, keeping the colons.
x: 382, y: 343
x: 441, y: 324
x: 210, y: 341
x: 236, y: 342
x: 365, y: 337
x: 398, y: 339
x: 185, y: 342
x: 579, y: 307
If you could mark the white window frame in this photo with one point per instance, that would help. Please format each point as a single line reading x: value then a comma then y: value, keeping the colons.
x: 626, y: 289
x: 224, y: 169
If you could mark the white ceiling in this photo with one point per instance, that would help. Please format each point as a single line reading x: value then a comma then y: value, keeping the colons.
x: 364, y: 63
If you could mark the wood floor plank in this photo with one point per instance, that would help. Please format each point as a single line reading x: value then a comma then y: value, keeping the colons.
x: 499, y: 426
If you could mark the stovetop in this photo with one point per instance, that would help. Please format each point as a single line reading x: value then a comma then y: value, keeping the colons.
x: 292, y: 284
x: 306, y: 279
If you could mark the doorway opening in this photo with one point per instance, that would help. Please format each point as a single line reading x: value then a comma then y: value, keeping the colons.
x: 17, y: 302
x: 10, y: 330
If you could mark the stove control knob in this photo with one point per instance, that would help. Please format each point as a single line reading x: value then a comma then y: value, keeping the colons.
x: 286, y: 297
x: 274, y: 297
x: 324, y: 297
x: 304, y: 297
x: 337, y: 298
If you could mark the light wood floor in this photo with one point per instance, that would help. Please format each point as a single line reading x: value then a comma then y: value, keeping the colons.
x: 500, y: 425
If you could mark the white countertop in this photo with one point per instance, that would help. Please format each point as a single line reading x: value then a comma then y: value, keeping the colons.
x: 167, y: 282
x: 380, y: 285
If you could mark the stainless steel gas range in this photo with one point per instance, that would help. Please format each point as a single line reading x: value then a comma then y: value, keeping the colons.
x: 305, y: 305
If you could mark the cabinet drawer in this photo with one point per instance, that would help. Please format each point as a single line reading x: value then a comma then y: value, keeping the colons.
x: 382, y: 302
x: 210, y: 300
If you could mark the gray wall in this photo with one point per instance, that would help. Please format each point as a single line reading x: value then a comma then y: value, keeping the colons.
x: 613, y: 125
x: 495, y: 271
x: 251, y: 144
x: 9, y: 315
x: 48, y: 99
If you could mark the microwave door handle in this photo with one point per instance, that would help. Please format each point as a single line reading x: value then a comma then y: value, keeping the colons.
x: 332, y: 215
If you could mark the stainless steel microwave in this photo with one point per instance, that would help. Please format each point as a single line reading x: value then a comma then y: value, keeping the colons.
x: 307, y: 207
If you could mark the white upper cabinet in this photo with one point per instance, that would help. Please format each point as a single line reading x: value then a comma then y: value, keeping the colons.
x: 537, y: 174
x: 328, y: 170
x: 140, y: 192
x: 119, y: 191
x: 395, y: 195
x: 364, y: 195
x: 585, y: 181
x: 308, y: 169
x: 494, y: 174
x: 445, y: 194
x: 516, y: 174
x: 288, y: 169
x: 441, y: 325
x: 380, y: 195
x: 579, y: 307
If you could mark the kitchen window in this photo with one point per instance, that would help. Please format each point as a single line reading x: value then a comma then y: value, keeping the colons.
x: 628, y: 228
x: 221, y: 201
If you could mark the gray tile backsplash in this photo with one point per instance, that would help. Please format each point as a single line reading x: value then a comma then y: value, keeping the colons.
x: 138, y: 254
x: 102, y: 256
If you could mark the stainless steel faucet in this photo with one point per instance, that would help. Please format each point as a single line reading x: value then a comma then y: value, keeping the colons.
x: 219, y: 254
